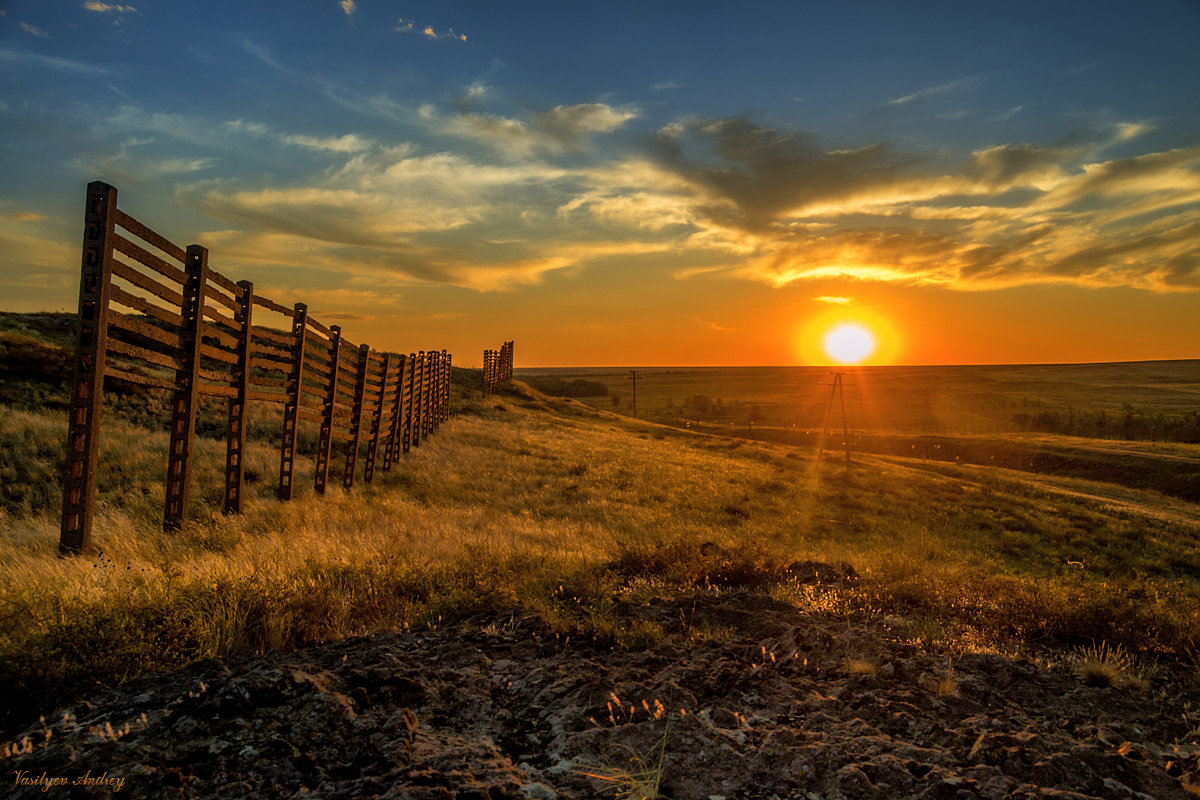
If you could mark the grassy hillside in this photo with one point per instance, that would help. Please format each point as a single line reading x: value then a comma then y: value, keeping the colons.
x: 561, y: 510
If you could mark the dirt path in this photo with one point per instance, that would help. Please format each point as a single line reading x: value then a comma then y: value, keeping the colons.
x: 744, y: 697
x: 1109, y: 497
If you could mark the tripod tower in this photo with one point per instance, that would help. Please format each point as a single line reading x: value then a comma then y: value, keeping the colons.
x: 836, y: 392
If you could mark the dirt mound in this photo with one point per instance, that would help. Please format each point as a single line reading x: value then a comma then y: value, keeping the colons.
x: 743, y: 697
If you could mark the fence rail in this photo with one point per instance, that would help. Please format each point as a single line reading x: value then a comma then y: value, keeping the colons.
x: 497, y: 368
x: 177, y: 325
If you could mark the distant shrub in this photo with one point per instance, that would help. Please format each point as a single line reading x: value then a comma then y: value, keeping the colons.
x: 558, y: 387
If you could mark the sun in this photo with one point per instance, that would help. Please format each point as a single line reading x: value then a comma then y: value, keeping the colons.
x: 848, y: 343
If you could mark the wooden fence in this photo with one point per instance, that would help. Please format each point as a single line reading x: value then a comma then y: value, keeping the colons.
x: 497, y: 368
x: 173, y: 323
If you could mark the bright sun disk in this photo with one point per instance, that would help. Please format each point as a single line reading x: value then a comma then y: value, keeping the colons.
x: 849, y: 343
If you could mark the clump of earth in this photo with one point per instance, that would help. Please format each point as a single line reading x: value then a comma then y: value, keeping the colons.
x: 744, y: 696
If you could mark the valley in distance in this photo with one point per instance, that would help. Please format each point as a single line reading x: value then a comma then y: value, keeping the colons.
x: 995, y: 594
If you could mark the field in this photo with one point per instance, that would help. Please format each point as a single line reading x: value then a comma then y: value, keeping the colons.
x: 931, y: 400
x: 530, y: 518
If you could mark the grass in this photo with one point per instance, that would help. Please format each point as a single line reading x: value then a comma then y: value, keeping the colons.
x: 1106, y: 667
x: 563, y: 510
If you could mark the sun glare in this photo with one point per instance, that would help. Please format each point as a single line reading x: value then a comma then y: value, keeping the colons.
x: 849, y: 343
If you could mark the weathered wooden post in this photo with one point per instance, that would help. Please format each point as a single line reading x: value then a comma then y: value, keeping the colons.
x: 431, y: 403
x: 418, y: 400
x: 449, y: 381
x: 427, y: 417
x: 410, y: 394
x: 356, y: 411
x: 235, y: 442
x: 291, y: 405
x: 183, y: 402
x: 87, y: 382
x: 391, y: 450
x: 443, y: 373
x: 325, y: 442
x: 377, y: 420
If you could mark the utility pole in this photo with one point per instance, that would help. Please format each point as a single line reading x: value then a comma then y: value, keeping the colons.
x: 632, y: 376
x: 835, y: 392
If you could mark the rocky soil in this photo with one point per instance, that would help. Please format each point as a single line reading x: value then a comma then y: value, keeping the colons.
x: 745, y: 697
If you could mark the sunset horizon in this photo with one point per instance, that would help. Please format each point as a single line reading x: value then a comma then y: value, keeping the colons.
x: 965, y: 187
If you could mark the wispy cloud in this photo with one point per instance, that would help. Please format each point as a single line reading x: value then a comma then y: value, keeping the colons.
x: 1005, y: 116
x: 561, y: 129
x: 33, y: 30
x: 327, y: 88
x: 1038, y: 214
x: 428, y: 31
x: 348, y: 7
x: 933, y: 91
x: 664, y: 85
x: 548, y: 193
x: 108, y: 8
x: 25, y: 57
x: 348, y: 143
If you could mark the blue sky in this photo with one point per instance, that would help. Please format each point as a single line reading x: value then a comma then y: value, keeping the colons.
x: 634, y: 182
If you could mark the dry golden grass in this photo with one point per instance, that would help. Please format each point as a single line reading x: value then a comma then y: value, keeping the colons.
x: 550, y: 506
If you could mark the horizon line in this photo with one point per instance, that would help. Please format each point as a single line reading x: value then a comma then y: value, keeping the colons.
x: 859, y: 366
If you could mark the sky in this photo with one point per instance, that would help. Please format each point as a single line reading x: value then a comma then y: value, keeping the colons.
x: 638, y: 184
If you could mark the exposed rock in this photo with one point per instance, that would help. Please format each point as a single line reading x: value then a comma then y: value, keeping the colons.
x: 499, y: 708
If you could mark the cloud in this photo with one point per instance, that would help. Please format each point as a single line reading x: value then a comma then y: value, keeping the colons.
x: 428, y: 31
x: 49, y: 62
x: 327, y: 88
x: 933, y: 91
x: 838, y: 301
x: 1005, y: 116
x: 348, y: 143
x: 107, y: 8
x: 790, y: 210
x: 561, y: 129
x: 343, y: 316
x: 749, y: 176
x: 664, y: 85
x: 348, y: 7
x: 33, y: 30
x: 525, y: 195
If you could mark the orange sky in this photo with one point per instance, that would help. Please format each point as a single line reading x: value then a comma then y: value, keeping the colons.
x: 976, y: 188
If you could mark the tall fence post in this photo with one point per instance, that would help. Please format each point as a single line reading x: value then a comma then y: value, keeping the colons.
x: 183, y: 403
x: 418, y: 399
x: 435, y: 382
x: 356, y: 410
x: 449, y: 377
x: 439, y: 402
x: 431, y: 378
x: 325, y: 443
x: 377, y: 421
x: 235, y: 443
x: 87, y: 381
x: 410, y: 394
x: 391, y: 450
x: 291, y: 405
